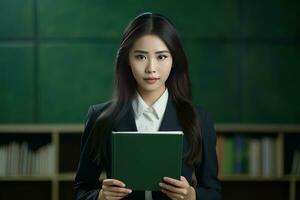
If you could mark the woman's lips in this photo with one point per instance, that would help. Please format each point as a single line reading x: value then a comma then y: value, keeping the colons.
x: 151, y: 80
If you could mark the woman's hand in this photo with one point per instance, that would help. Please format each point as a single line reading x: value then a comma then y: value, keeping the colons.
x: 176, y: 189
x: 113, y: 189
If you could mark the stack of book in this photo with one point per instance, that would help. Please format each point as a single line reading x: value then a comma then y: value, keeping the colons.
x: 296, y: 163
x: 18, y: 159
x: 240, y: 154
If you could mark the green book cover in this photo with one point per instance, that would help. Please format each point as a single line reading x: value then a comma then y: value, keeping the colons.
x: 142, y: 159
x: 245, y: 155
x: 228, y: 156
x: 241, y: 154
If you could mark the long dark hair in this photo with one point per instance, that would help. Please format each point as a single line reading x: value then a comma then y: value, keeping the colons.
x: 178, y: 84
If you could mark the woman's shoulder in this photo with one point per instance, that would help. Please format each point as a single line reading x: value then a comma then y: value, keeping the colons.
x: 98, y: 108
x: 95, y: 110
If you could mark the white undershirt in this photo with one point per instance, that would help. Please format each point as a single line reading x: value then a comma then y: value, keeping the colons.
x: 148, y: 118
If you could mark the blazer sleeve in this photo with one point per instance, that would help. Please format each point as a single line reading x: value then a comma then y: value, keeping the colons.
x: 208, y: 186
x: 87, y: 184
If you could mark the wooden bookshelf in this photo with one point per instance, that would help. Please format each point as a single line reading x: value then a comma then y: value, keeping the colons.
x: 65, y: 139
x: 278, y: 185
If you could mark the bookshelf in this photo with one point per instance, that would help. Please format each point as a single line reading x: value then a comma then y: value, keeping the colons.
x: 260, y: 163
x: 57, y: 184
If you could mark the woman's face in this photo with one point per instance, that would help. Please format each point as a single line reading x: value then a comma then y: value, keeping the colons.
x: 151, y: 62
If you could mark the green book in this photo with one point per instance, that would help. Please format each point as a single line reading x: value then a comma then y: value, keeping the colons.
x: 142, y: 159
x: 228, y: 156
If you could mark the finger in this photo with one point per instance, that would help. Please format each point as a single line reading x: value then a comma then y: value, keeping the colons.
x: 182, y: 178
x: 109, y: 197
x: 113, y: 182
x: 113, y: 198
x: 113, y: 194
x: 171, y: 188
x: 116, y: 189
x: 172, y: 195
x: 177, y: 183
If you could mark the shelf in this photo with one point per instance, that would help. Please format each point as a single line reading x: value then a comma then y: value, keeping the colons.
x: 78, y: 128
x: 66, y: 177
x: 258, y: 128
x: 257, y: 178
x: 65, y: 139
x: 295, y: 178
x: 26, y: 178
x: 41, y: 128
x: 71, y: 176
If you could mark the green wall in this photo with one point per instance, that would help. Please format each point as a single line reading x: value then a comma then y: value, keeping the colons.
x: 57, y: 56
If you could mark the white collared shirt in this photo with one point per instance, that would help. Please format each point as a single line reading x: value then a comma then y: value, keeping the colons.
x: 148, y: 118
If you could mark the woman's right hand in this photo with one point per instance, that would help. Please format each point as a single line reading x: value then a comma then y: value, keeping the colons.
x: 113, y: 189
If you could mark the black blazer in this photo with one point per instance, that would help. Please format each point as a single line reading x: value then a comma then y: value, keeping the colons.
x: 87, y: 185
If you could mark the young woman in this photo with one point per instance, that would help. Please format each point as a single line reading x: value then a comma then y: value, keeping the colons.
x: 152, y: 92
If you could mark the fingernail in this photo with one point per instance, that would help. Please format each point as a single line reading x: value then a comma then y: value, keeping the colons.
x: 165, y: 178
x: 129, y: 191
x: 124, y: 185
x: 160, y: 184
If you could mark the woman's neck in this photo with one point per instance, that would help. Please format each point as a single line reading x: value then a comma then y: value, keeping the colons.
x: 151, y: 97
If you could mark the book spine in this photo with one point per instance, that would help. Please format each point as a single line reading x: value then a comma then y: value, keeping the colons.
x: 228, y: 155
x: 25, y: 159
x: 294, y: 163
x: 238, y: 154
x: 3, y: 161
x: 295, y: 169
x: 220, y: 154
x: 244, y: 154
x: 268, y: 156
x: 50, y: 159
x: 255, y: 157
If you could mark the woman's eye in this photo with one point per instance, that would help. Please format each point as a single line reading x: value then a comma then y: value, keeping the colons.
x: 140, y: 57
x: 162, y: 57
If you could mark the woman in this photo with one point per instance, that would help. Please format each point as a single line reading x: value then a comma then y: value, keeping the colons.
x: 152, y: 92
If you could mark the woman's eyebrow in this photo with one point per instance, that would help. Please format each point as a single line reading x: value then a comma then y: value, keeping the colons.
x: 146, y: 52
x: 162, y: 51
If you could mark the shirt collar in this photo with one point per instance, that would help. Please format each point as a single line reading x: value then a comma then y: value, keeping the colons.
x: 158, y: 108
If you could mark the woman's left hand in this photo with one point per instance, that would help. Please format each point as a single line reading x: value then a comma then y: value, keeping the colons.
x: 176, y: 189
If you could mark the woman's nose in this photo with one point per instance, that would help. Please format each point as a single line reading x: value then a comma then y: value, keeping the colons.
x: 151, y: 67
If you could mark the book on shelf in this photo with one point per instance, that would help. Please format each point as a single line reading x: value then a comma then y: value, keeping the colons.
x: 255, y: 158
x: 268, y: 156
x: 17, y: 159
x: 228, y: 163
x: 240, y: 154
x: 296, y: 163
x: 247, y: 155
x: 142, y: 159
x: 220, y: 153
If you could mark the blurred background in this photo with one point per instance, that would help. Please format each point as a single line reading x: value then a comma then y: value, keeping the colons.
x: 57, y: 58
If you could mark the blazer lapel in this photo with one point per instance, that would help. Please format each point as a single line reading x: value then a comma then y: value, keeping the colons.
x: 127, y: 123
x: 170, y: 121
